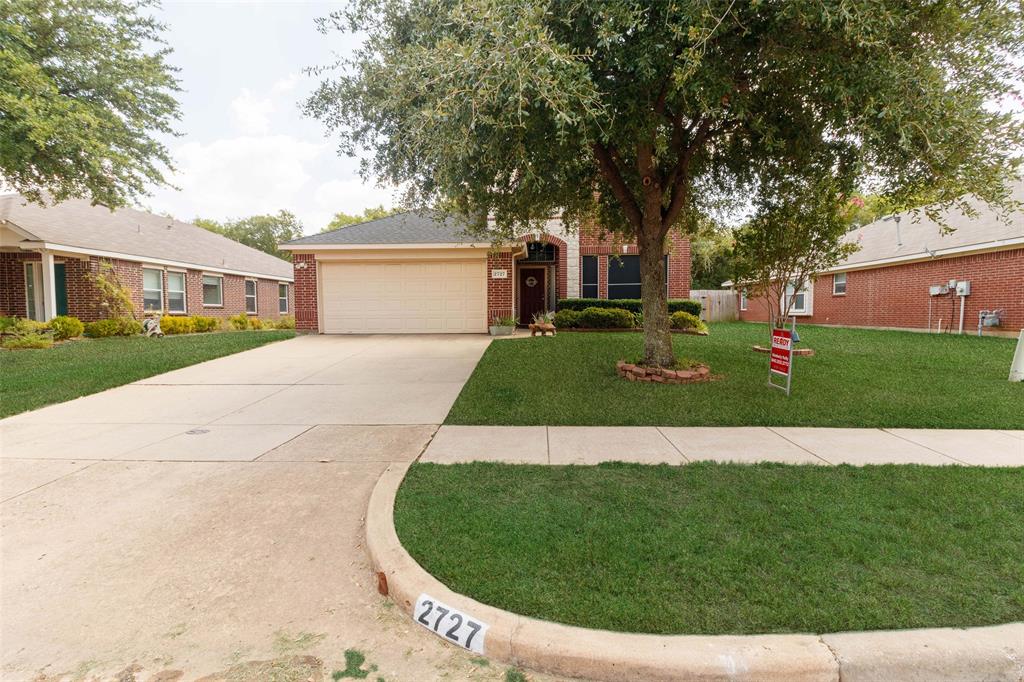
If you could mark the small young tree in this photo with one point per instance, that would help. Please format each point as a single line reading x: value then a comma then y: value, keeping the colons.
x: 114, y: 297
x: 797, y: 232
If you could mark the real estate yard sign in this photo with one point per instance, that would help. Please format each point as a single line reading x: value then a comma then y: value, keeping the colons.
x: 780, y: 362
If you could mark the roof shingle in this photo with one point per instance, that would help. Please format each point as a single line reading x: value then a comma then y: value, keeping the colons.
x: 135, y: 233
x: 414, y: 227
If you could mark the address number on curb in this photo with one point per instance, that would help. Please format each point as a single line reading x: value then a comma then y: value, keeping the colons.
x: 450, y: 623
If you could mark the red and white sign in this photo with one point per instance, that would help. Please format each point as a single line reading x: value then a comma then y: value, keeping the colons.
x: 782, y: 352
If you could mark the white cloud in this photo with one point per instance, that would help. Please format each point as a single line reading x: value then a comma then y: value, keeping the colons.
x: 240, y: 176
x: 350, y: 196
x: 252, y: 114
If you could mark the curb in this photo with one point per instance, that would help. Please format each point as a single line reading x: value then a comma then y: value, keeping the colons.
x: 989, y: 653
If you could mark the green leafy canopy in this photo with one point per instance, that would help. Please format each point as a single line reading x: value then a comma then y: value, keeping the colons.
x: 85, y: 90
x: 263, y: 232
x: 646, y: 117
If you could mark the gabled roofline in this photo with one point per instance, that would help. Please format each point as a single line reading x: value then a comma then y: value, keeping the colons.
x: 288, y: 246
x: 981, y: 247
x: 67, y: 248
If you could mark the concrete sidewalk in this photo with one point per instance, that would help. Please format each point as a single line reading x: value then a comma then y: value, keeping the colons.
x: 678, y: 445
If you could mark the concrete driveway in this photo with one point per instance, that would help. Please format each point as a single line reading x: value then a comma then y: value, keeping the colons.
x: 210, y: 520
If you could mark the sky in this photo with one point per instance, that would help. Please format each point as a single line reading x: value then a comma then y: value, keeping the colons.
x: 245, y: 148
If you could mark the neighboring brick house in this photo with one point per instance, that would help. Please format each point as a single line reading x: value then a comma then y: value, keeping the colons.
x: 414, y: 273
x: 48, y: 255
x: 901, y: 277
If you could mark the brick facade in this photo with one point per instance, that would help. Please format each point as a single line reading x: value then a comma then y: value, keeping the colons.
x: 603, y: 245
x: 306, y: 306
x: 501, y: 292
x: 897, y: 296
x: 83, y: 302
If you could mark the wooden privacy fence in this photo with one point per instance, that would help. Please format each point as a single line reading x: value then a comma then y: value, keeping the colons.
x: 717, y: 305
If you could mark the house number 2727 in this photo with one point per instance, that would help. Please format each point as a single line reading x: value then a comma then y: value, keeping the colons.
x: 448, y: 622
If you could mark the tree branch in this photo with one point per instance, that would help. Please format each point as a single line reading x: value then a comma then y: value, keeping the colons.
x: 610, y: 172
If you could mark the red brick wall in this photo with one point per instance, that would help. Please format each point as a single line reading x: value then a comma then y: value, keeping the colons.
x: 306, y: 314
x: 592, y: 244
x: 84, y: 304
x: 897, y: 296
x: 499, y: 291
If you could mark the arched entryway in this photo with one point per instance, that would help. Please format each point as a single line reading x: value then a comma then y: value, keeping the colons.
x: 540, y: 276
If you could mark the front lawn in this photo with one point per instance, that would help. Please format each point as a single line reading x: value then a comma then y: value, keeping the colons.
x: 724, y: 548
x: 30, y: 379
x: 859, y: 377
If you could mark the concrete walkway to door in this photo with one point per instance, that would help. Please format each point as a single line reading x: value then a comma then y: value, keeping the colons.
x: 209, y: 521
x: 677, y: 445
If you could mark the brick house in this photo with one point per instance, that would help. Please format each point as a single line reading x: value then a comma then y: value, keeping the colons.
x: 906, y: 272
x: 47, y: 255
x: 415, y: 272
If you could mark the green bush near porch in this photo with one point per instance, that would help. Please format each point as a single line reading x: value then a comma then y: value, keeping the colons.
x: 859, y: 377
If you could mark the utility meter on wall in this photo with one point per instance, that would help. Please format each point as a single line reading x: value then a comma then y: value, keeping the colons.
x: 963, y: 288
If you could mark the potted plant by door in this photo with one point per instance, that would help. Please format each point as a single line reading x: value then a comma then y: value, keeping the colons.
x: 503, y: 326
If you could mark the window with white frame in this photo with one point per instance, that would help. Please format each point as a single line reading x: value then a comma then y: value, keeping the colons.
x: 152, y: 289
x: 250, y: 296
x: 213, y: 291
x: 743, y: 299
x: 282, y: 298
x: 800, y: 299
x: 839, y: 284
x: 175, y: 292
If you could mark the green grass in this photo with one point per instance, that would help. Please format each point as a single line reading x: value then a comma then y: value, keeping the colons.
x: 859, y: 377
x: 724, y: 548
x: 30, y: 379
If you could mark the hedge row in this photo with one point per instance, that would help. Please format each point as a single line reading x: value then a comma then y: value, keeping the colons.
x: 633, y: 305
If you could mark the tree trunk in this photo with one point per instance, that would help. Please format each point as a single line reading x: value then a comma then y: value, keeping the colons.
x: 657, y: 337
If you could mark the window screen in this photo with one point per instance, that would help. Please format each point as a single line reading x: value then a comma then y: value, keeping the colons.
x: 250, y: 296
x: 588, y: 282
x: 624, y: 276
x: 152, y: 289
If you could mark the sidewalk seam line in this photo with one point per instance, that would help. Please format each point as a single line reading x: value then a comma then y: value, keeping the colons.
x: 59, y: 478
x: 835, y: 657
x: 686, y: 460
x: 810, y: 452
x: 920, y: 445
x: 267, y: 452
x: 547, y: 442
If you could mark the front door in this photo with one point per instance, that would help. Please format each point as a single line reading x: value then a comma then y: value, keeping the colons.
x: 531, y: 293
x: 60, y: 286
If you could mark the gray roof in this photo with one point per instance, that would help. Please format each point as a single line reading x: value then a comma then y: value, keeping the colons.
x: 413, y: 227
x: 920, y: 235
x: 138, y: 234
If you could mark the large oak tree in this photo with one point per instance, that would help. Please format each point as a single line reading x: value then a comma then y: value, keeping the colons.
x: 645, y: 116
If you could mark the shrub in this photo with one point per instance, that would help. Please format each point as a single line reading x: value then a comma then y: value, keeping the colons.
x: 684, y: 320
x: 255, y: 323
x: 567, y: 319
x: 29, y: 340
x: 66, y: 327
x: 170, y: 325
x: 205, y: 324
x: 633, y: 305
x: 7, y: 324
x: 286, y: 322
x: 115, y: 326
x: 239, y: 321
x: 606, y: 318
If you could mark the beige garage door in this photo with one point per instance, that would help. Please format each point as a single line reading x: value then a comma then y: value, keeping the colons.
x: 404, y: 297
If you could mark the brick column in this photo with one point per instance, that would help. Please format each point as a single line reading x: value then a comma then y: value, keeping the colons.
x: 304, y: 267
x: 499, y: 291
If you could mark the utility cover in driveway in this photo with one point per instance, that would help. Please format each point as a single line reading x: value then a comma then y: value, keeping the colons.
x: 404, y: 297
